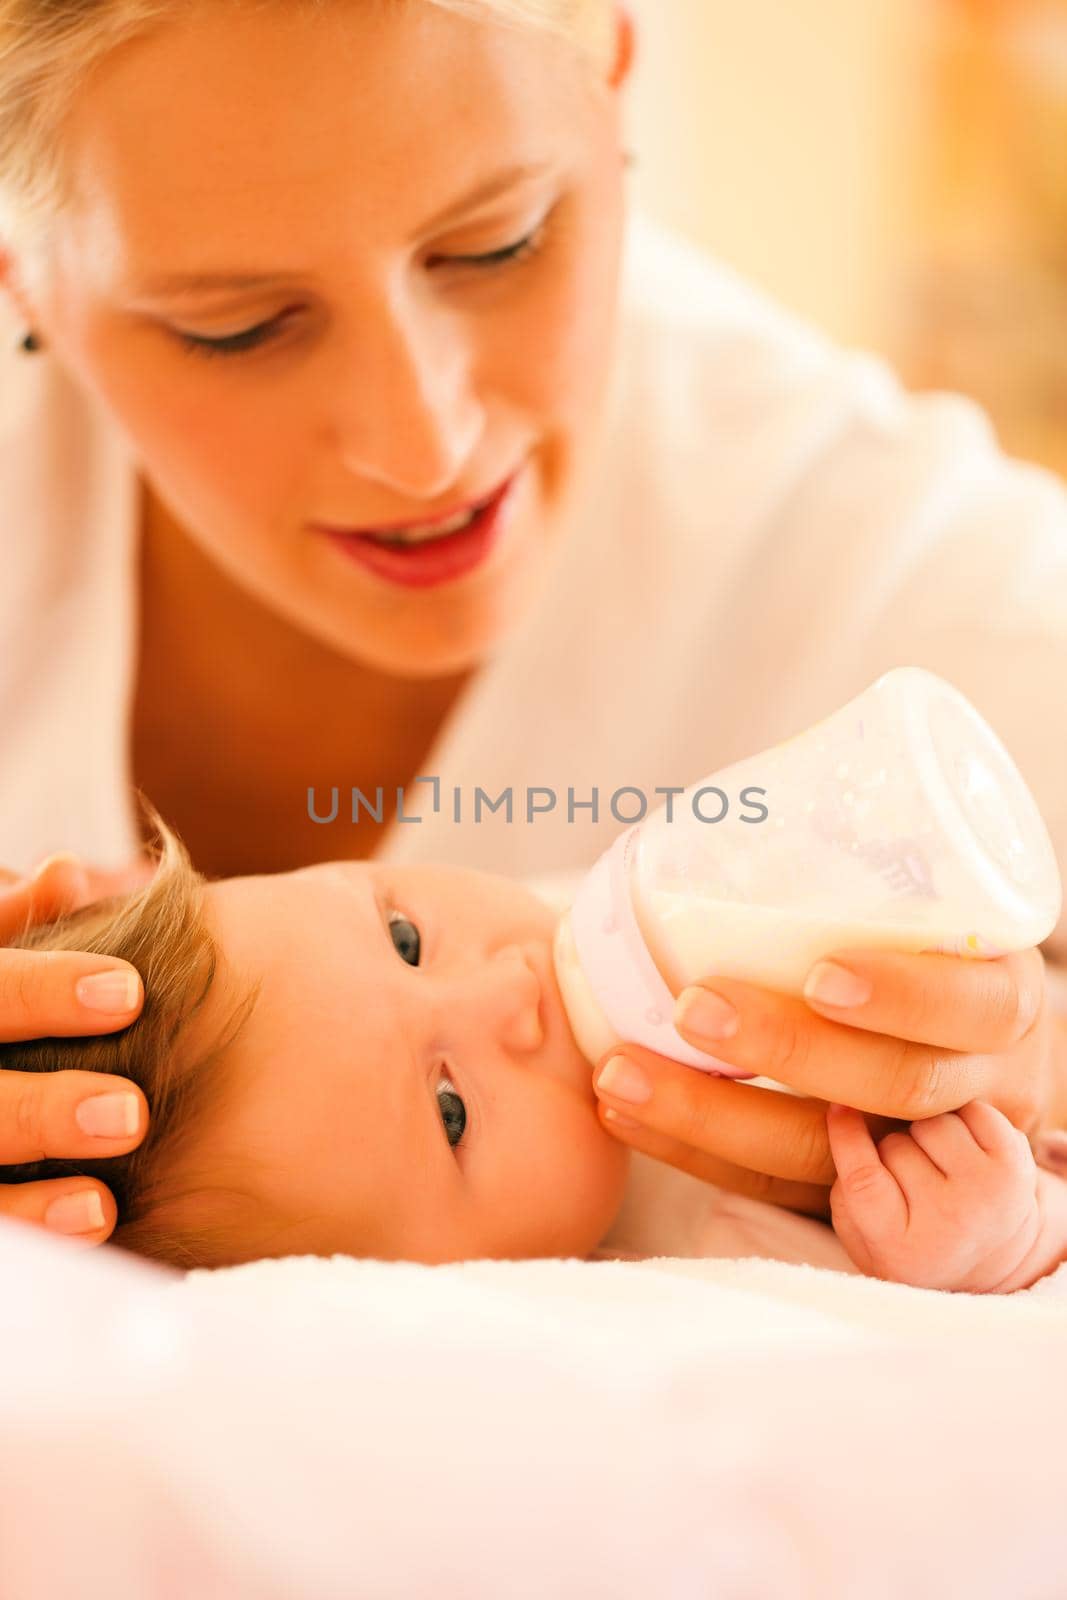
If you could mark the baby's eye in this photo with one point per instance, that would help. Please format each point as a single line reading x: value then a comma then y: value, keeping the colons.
x: 407, y: 942
x: 453, y: 1111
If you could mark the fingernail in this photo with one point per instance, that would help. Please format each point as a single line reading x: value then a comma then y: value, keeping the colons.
x: 621, y: 1079
x: 109, y: 991
x: 832, y: 985
x: 76, y: 1213
x: 109, y: 1116
x: 620, y: 1122
x: 707, y: 1014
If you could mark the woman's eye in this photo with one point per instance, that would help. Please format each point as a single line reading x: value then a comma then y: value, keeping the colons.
x: 453, y: 1111
x: 406, y: 939
x: 234, y: 343
x: 521, y: 250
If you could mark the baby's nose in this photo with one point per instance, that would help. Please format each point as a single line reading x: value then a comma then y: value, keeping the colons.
x: 511, y: 996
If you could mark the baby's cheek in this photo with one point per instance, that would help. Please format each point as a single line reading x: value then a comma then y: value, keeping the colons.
x: 565, y: 1179
x: 610, y: 1162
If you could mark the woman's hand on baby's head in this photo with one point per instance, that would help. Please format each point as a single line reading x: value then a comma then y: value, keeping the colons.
x: 73, y: 1116
x: 59, y: 885
x: 61, y: 994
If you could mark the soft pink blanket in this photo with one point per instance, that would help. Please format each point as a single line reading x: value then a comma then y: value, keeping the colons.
x: 685, y: 1428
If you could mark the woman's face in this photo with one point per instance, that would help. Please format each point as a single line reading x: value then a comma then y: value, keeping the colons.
x: 377, y: 167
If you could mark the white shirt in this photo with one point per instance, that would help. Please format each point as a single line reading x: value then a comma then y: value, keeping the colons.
x: 771, y: 524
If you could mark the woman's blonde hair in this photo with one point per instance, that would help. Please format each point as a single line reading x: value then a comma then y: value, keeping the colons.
x: 160, y: 930
x: 48, y: 48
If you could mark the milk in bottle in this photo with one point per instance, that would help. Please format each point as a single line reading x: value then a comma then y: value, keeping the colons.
x: 900, y: 822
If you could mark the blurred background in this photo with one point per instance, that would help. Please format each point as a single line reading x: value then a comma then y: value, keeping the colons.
x: 893, y: 170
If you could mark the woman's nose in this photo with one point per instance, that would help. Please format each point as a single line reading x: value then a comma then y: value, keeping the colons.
x: 413, y: 421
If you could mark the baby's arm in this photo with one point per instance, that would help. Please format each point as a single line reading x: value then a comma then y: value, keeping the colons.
x: 958, y: 1202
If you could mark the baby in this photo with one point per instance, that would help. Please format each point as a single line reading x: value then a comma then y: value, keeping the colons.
x: 373, y: 1060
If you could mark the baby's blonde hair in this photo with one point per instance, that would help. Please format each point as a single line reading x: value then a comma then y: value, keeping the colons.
x: 160, y: 930
x: 48, y: 49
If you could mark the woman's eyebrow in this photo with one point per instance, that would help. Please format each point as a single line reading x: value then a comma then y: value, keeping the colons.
x: 177, y: 283
x: 199, y: 282
x: 489, y: 189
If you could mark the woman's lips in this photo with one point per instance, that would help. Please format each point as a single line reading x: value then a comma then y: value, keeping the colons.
x: 428, y: 562
x: 394, y: 529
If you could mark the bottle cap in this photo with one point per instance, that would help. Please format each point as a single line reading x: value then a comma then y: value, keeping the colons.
x: 625, y: 980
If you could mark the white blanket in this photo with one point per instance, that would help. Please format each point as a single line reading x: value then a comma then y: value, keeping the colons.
x: 366, y: 1430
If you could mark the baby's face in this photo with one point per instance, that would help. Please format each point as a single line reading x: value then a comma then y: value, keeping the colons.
x: 407, y: 1085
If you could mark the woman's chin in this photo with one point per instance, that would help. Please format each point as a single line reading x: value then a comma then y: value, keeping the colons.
x: 426, y: 664
x: 420, y: 649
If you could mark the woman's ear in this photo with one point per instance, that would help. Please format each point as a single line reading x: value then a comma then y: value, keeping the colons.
x: 625, y: 46
x: 11, y: 285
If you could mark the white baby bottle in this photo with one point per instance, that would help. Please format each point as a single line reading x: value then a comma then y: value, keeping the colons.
x: 898, y: 823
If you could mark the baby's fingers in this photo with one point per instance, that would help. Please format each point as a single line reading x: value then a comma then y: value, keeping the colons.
x: 961, y: 1143
x: 991, y: 1129
x: 870, y: 1191
x: 949, y: 1143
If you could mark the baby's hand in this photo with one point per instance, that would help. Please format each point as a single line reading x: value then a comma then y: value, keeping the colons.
x: 952, y: 1204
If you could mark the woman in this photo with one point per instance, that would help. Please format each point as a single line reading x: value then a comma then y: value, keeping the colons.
x: 658, y: 529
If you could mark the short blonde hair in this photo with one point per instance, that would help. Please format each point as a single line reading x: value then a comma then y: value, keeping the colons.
x: 160, y: 929
x: 47, y: 51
